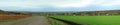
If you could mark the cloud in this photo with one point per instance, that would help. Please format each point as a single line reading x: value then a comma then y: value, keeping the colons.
x: 38, y: 3
x: 76, y: 3
x: 58, y: 5
x: 107, y: 2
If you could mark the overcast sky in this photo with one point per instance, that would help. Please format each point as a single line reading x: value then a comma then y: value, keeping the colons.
x: 59, y: 5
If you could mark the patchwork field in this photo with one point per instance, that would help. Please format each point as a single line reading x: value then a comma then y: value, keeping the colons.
x: 92, y: 20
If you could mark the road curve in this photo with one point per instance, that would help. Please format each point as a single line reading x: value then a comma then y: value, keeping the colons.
x: 37, y: 20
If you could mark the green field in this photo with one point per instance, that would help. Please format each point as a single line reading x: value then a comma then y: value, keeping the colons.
x: 92, y: 20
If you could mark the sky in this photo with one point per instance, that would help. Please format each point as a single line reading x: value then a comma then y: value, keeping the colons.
x: 59, y: 5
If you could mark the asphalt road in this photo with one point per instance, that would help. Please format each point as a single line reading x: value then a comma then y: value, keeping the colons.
x: 36, y: 20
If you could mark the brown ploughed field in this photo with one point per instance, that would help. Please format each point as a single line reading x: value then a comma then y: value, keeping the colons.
x: 6, y: 17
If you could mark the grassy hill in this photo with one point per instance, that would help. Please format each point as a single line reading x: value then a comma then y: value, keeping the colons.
x: 2, y: 12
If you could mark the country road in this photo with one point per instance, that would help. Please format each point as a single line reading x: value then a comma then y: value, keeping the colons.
x: 37, y: 20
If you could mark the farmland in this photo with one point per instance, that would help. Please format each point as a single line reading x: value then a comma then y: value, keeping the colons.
x: 92, y: 20
x: 7, y: 17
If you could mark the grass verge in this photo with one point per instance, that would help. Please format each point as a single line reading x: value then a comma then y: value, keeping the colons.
x: 55, y: 22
